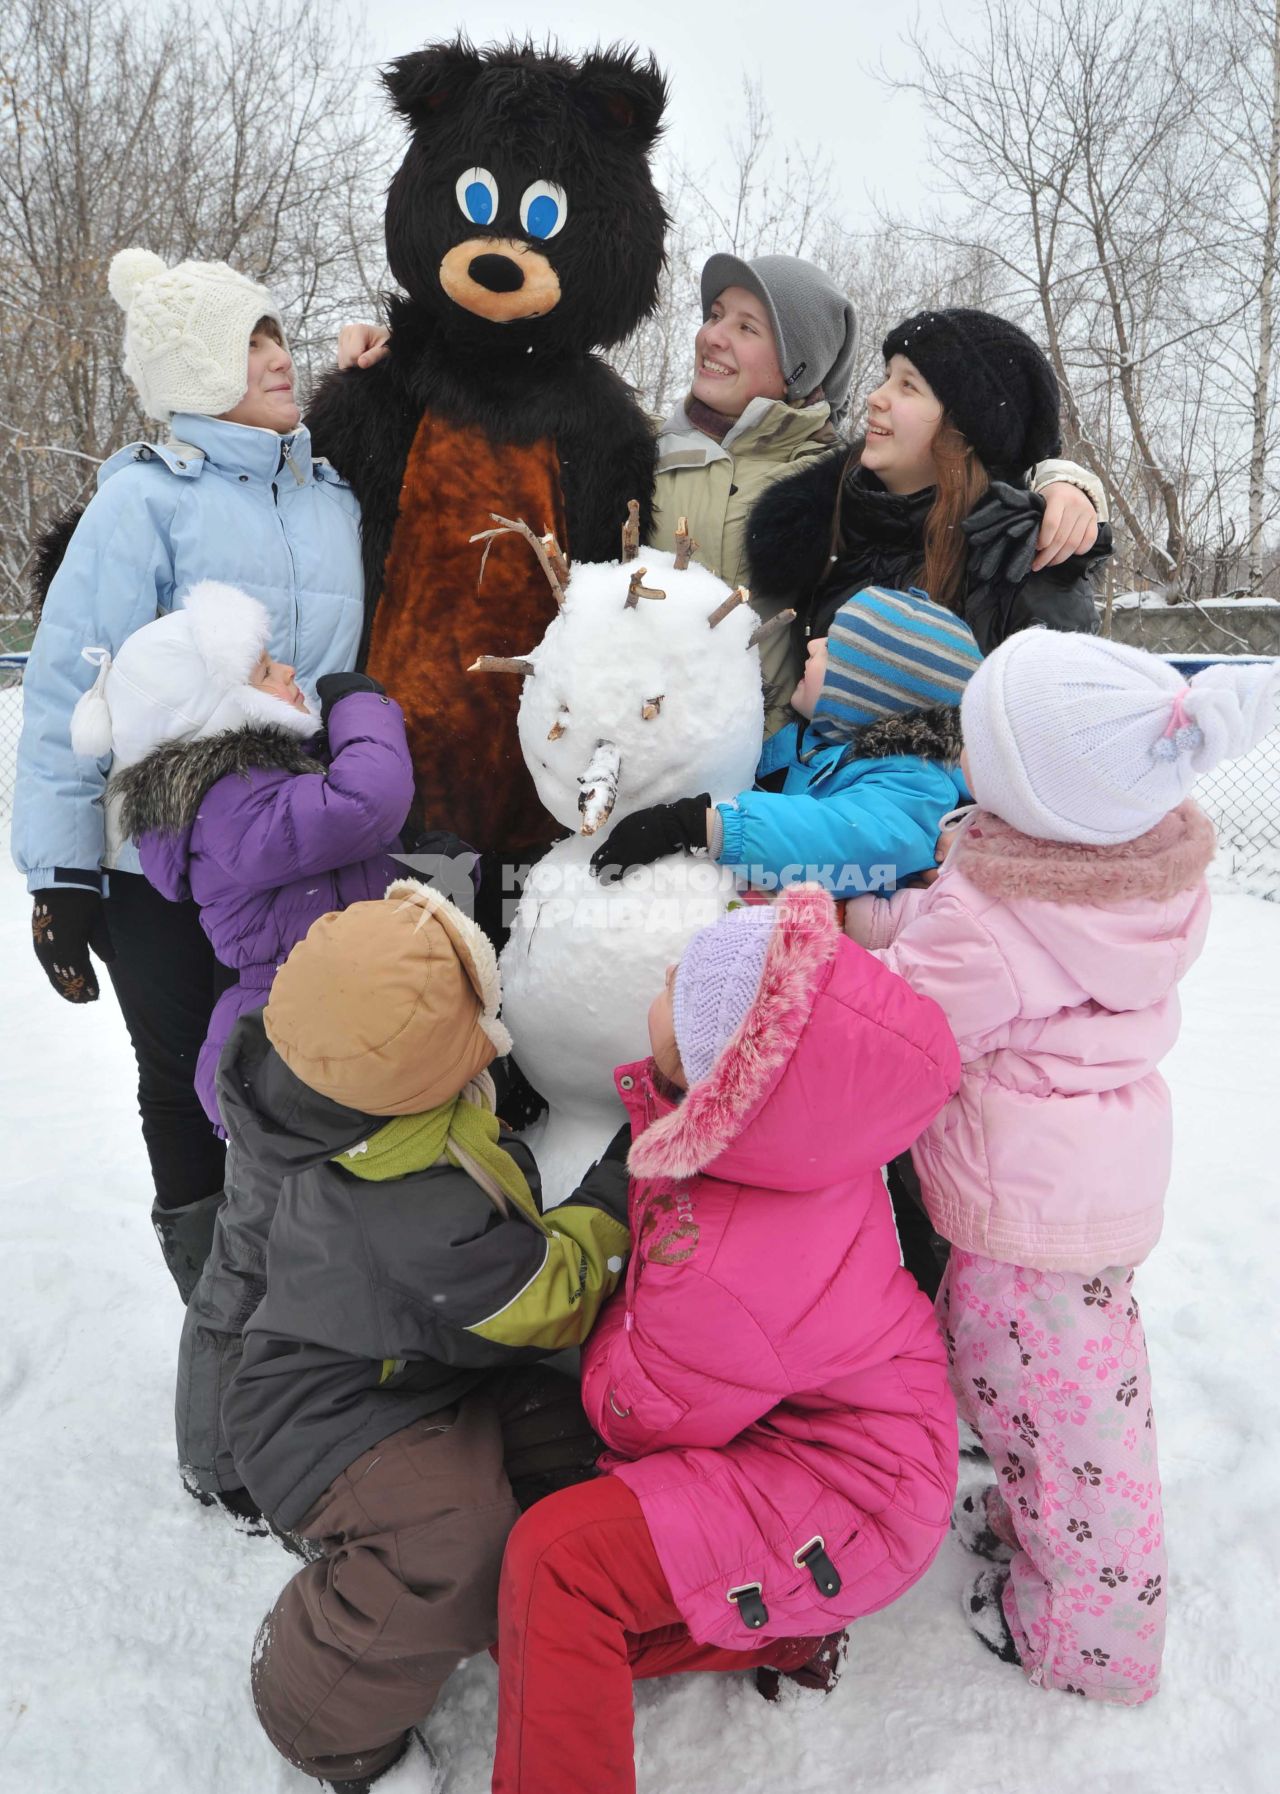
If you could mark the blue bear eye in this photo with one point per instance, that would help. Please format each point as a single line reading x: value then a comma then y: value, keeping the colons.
x: 544, y: 209
x: 477, y: 193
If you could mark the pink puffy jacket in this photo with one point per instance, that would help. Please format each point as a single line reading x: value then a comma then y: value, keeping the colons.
x: 771, y: 1383
x: 1057, y: 967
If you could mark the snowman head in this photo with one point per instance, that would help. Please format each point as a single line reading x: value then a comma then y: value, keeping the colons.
x: 645, y: 688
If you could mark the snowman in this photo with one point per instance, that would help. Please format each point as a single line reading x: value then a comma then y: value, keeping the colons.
x: 645, y: 687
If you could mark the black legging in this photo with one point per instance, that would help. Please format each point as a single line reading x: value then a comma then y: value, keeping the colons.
x: 167, y: 981
x: 924, y: 1252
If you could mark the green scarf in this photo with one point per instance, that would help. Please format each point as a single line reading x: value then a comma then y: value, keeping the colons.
x: 460, y: 1132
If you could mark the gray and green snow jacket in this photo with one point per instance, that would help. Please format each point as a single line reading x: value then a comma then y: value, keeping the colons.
x: 382, y: 1302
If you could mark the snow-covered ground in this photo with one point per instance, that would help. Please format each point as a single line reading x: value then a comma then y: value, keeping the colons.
x: 127, y: 1612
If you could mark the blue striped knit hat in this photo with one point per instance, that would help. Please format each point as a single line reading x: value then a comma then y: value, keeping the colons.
x: 889, y: 652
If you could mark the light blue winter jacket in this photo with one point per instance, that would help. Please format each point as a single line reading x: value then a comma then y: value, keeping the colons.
x: 850, y: 819
x: 218, y: 501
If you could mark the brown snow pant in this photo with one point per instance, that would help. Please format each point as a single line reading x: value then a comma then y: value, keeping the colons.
x: 361, y: 1641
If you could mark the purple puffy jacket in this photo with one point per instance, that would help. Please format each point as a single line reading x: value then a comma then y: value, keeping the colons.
x: 266, y: 838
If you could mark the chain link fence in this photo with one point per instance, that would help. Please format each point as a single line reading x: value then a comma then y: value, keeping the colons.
x: 12, y: 665
x: 1242, y: 799
x: 1242, y: 796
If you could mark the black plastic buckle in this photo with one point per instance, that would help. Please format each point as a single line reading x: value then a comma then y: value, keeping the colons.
x: 813, y: 1557
x: 749, y: 1600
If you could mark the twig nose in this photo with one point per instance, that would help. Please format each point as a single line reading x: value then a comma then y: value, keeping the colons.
x: 496, y: 273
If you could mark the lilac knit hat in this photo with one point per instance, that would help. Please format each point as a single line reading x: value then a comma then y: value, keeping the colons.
x: 716, y: 984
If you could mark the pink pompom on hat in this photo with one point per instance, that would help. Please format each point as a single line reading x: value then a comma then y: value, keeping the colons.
x: 1075, y: 738
x: 716, y: 983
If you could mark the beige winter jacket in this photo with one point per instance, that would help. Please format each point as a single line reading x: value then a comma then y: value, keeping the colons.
x: 714, y: 484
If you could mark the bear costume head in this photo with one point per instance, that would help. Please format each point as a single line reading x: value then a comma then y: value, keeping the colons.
x: 524, y: 216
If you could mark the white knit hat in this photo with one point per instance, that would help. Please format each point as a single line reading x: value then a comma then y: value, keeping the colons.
x: 1074, y: 738
x: 187, y: 330
x: 183, y: 677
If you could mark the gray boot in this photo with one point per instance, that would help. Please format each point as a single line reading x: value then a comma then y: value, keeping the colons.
x: 185, y: 1236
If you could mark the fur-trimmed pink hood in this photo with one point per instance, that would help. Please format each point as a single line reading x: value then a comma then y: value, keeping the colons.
x: 1167, y: 860
x: 769, y: 1376
x: 836, y: 1067
x: 1058, y: 968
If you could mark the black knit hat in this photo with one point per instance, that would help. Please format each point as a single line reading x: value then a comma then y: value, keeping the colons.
x: 995, y: 384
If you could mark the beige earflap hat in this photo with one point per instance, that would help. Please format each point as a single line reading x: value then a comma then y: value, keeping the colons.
x: 392, y: 1007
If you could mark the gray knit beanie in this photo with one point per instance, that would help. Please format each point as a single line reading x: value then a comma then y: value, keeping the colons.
x: 814, y: 325
x: 716, y: 983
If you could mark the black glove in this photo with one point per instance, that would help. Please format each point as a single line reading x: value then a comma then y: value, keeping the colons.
x: 1001, y: 532
x: 518, y: 1103
x: 330, y: 687
x: 640, y: 839
x: 620, y: 1145
x: 65, y: 922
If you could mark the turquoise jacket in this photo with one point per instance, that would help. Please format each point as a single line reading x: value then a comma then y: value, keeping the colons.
x: 219, y: 501
x: 854, y: 816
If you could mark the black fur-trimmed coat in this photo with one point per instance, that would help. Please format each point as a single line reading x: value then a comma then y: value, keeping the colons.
x: 831, y: 530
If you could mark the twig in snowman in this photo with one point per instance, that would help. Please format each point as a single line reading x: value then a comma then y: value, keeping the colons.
x: 508, y: 526
x: 558, y: 558
x: 763, y: 631
x: 631, y: 531
x: 497, y: 663
x: 599, y: 785
x: 739, y: 595
x: 685, y: 544
x: 638, y: 589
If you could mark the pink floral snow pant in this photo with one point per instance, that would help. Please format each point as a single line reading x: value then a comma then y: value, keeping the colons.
x: 1050, y: 1368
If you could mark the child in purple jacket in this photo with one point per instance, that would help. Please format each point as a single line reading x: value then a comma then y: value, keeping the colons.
x: 222, y: 778
x: 222, y: 774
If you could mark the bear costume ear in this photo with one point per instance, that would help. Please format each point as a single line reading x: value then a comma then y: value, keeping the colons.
x: 427, y: 81
x: 621, y: 95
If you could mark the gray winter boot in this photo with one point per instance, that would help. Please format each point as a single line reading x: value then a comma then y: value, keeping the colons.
x: 186, y: 1237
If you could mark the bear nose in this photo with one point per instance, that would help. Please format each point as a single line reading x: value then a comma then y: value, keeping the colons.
x: 496, y: 273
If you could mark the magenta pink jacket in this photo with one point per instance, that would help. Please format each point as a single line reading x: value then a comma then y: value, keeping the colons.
x: 770, y: 1376
x: 1057, y: 967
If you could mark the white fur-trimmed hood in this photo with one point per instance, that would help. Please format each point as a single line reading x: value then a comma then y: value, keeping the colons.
x: 184, y: 676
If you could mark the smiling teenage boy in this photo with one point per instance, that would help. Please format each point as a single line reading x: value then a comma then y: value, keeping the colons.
x: 233, y: 495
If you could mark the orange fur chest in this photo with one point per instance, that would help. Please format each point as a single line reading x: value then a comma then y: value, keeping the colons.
x: 434, y: 618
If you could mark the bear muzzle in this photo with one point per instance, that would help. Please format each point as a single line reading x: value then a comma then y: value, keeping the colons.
x: 500, y: 278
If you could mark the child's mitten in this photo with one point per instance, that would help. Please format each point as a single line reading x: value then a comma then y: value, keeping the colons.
x: 331, y: 687
x: 650, y: 834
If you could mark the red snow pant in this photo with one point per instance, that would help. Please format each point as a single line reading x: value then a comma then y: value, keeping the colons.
x: 583, y: 1610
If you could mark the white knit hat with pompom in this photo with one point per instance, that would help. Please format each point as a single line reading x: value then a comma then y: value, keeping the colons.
x: 187, y: 330
x: 1075, y: 738
x: 183, y: 677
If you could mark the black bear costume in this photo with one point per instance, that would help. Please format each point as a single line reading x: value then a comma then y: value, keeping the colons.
x: 526, y: 232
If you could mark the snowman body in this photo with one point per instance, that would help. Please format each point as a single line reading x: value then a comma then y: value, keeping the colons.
x: 626, y: 706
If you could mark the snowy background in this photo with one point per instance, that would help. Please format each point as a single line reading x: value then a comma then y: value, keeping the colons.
x: 128, y: 1611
